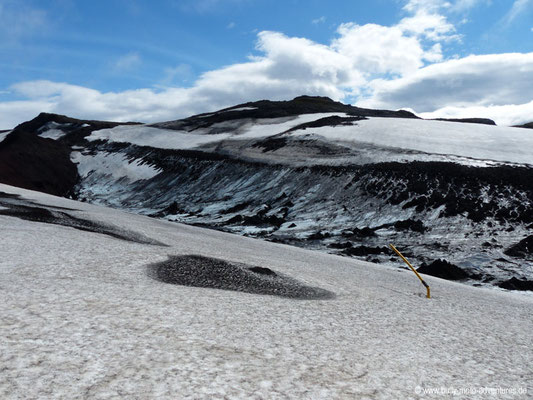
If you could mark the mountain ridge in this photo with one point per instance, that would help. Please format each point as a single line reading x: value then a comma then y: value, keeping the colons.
x: 308, y: 172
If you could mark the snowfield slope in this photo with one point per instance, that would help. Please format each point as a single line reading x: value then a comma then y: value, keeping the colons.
x: 82, y: 317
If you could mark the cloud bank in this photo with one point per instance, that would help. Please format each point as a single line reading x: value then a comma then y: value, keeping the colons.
x: 398, y: 66
x: 498, y: 86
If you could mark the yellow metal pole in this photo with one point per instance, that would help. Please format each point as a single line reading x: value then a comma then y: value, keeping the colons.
x: 412, y: 269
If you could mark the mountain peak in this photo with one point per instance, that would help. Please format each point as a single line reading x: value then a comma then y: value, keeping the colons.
x: 279, y: 109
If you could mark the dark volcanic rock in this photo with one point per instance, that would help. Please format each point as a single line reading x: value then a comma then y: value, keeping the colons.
x: 359, y: 232
x: 32, y: 162
x: 237, y: 219
x: 271, y: 144
x: 443, y: 269
x: 237, y: 207
x: 172, y: 209
x: 15, y: 206
x: 410, y: 225
x: 328, y: 121
x: 365, y: 251
x: 262, y: 270
x: 522, y: 249
x: 529, y: 125
x: 35, y: 163
x: 43, y: 118
x: 516, y: 284
x: 318, y: 236
x: 206, y: 272
x: 256, y: 220
x: 262, y: 220
x: 341, y: 245
x: 484, y: 121
x: 428, y: 185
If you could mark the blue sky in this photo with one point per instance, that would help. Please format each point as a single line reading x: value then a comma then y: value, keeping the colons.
x: 160, y: 60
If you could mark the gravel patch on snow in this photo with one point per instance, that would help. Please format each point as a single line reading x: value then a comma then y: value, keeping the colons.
x: 14, y: 206
x: 200, y: 271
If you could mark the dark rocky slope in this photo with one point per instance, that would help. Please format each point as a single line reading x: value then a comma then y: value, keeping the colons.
x: 36, y: 163
x: 431, y: 210
x: 484, y: 121
x: 529, y: 125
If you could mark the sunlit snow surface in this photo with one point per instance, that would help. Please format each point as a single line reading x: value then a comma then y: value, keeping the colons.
x: 155, y: 137
x: 52, y: 130
x: 52, y: 134
x: 366, y: 141
x: 115, y: 165
x: 81, y: 318
x: 144, y: 135
x: 484, y: 142
x: 243, y: 109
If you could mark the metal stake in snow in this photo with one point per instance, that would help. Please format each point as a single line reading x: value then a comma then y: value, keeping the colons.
x: 412, y: 269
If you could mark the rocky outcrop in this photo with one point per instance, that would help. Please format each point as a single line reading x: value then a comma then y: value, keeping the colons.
x: 516, y: 284
x: 443, y: 269
x: 484, y: 121
x: 529, y: 125
x: 36, y: 163
x: 523, y: 249
x: 278, y: 109
x: 31, y: 162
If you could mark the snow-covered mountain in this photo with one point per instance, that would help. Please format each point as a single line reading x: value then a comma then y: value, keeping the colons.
x: 99, y: 303
x: 309, y: 172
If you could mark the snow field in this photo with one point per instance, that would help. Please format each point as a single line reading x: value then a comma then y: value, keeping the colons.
x: 81, y: 319
x: 482, y: 142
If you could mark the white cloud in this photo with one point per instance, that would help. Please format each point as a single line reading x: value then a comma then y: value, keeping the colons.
x: 127, y: 62
x: 302, y: 60
x: 19, y: 19
x: 320, y: 20
x: 176, y: 75
x: 442, y: 6
x: 383, y: 66
x: 429, y: 6
x: 506, y: 115
x: 286, y: 67
x: 78, y: 101
x: 464, y: 5
x: 474, y: 82
x: 231, y: 25
x: 13, y: 113
x: 434, y: 6
x: 518, y: 7
x: 379, y: 49
x: 431, y: 26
